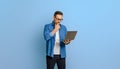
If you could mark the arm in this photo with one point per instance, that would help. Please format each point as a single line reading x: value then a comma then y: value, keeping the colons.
x: 47, y: 33
x: 67, y: 41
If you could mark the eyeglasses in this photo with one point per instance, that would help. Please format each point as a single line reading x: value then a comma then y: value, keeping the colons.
x: 59, y: 19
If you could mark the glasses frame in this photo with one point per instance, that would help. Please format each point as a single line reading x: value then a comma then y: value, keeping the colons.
x: 59, y: 19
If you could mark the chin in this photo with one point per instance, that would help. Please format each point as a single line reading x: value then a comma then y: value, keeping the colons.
x: 57, y: 23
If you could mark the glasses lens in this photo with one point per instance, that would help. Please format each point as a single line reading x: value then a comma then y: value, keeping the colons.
x: 59, y: 19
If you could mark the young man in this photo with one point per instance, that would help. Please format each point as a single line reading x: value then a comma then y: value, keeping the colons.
x: 54, y: 34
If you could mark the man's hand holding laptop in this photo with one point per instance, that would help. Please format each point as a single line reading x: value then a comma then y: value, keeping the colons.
x: 67, y: 41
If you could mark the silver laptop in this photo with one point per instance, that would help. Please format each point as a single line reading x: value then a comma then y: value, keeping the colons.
x: 70, y: 35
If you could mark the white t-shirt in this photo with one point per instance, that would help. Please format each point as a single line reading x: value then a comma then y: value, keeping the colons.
x: 57, y: 44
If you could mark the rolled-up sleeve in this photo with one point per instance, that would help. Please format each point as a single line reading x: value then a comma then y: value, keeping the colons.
x: 47, y: 33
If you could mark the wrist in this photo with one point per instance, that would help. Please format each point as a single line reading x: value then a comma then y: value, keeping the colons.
x: 54, y: 31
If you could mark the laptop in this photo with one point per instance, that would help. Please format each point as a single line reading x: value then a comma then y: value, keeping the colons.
x: 71, y: 35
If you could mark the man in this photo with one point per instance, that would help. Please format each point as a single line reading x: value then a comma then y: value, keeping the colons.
x: 54, y: 34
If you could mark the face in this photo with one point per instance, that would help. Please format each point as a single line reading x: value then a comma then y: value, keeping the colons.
x: 57, y: 19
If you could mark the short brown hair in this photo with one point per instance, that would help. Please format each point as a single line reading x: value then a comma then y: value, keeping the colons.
x: 58, y: 12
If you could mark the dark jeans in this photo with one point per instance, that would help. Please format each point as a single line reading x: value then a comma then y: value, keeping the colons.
x: 61, y: 63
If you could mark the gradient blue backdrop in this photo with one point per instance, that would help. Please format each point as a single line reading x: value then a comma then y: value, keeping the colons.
x: 97, y: 44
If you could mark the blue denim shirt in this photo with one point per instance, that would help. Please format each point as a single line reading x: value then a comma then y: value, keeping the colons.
x: 50, y: 39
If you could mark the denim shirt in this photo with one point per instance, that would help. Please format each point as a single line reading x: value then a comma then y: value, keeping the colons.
x: 50, y: 39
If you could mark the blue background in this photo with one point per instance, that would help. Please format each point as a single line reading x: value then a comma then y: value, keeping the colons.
x: 96, y: 46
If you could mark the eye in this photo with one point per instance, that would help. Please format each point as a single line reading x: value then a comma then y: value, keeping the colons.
x: 59, y: 19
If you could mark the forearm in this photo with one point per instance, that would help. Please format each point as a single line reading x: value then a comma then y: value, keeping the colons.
x: 54, y: 31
